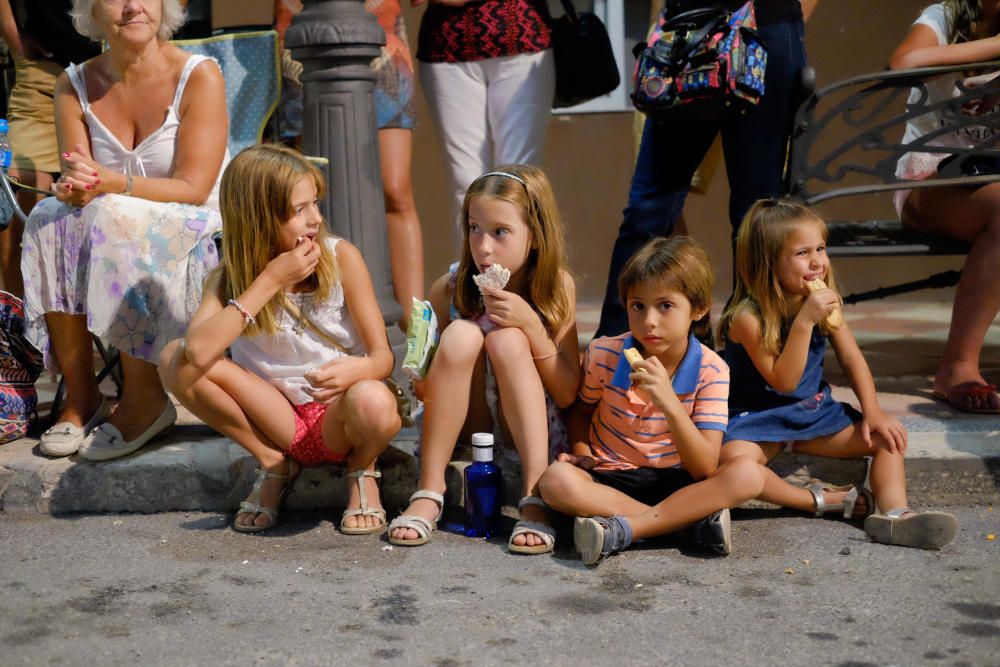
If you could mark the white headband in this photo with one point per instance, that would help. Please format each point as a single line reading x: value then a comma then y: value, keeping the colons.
x: 505, y: 175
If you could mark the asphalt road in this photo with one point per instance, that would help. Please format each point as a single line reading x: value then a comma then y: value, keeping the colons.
x: 183, y: 589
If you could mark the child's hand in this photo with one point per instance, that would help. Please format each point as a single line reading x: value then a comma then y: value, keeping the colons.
x: 331, y: 380
x: 892, y: 433
x: 581, y: 462
x: 292, y: 267
x: 818, y: 305
x: 651, y: 378
x: 508, y: 309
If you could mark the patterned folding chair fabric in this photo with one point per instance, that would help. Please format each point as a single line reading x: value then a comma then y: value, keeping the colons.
x: 250, y: 66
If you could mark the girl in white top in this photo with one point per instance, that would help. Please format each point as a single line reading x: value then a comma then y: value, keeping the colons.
x: 309, y: 348
x: 952, y: 33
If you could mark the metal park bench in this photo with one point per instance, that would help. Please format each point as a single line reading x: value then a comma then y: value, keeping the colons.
x: 847, y: 140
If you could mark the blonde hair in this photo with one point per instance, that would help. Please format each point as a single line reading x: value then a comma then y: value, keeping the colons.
x: 679, y: 263
x: 172, y: 17
x: 255, y: 199
x: 531, y: 193
x: 759, y: 244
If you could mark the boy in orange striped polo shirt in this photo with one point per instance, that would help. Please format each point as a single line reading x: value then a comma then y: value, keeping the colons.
x: 645, y: 437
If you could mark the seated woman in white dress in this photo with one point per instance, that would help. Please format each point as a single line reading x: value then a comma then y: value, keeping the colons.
x: 121, y: 252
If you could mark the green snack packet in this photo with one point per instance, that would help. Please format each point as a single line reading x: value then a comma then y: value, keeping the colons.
x: 421, y: 340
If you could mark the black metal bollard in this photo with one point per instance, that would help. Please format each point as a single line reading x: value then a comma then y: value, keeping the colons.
x: 336, y: 40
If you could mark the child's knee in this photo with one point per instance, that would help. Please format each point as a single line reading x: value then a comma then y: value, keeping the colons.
x: 743, y: 476
x: 461, y: 343
x: 506, y: 342
x: 373, y: 408
x: 556, y: 483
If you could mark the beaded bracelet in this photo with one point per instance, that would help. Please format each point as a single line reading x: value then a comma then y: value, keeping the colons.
x: 247, y: 317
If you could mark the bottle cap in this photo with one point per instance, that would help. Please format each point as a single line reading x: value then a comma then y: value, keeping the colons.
x: 482, y: 447
x: 3, y: 124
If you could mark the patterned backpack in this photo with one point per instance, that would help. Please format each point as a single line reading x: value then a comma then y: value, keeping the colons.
x: 20, y: 366
x: 703, y: 63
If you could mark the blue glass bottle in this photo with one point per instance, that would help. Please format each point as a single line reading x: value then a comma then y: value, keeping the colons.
x: 483, y: 489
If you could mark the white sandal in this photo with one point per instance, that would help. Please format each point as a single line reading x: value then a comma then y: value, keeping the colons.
x: 252, y: 504
x: 522, y: 527
x: 364, y: 510
x: 923, y: 530
x: 419, y: 524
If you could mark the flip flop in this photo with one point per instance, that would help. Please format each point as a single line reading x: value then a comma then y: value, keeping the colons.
x: 958, y: 397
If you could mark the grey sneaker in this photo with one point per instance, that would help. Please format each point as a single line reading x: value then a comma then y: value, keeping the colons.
x: 596, y: 537
x: 714, y: 533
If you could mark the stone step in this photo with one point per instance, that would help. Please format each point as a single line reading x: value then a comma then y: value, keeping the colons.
x: 192, y: 468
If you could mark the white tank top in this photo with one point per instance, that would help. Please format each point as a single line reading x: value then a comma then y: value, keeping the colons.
x: 153, y: 157
x: 283, y: 358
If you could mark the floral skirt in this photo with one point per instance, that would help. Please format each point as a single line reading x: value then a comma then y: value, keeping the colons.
x: 134, y: 267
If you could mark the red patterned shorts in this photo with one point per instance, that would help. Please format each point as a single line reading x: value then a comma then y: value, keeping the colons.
x: 307, y: 446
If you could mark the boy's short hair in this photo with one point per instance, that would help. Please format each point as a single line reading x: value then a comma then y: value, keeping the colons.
x: 680, y: 263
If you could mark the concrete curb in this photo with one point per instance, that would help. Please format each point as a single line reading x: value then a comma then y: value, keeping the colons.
x: 192, y: 468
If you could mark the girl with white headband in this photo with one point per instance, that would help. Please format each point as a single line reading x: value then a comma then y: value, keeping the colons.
x: 508, y: 355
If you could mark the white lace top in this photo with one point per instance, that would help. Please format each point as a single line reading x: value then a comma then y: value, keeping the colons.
x: 283, y: 358
x: 153, y: 156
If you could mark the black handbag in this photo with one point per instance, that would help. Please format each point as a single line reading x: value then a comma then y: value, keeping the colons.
x: 585, y: 61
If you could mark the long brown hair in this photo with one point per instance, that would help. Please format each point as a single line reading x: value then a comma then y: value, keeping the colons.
x: 758, y: 289
x: 531, y: 193
x: 679, y: 263
x: 964, y: 17
x: 255, y: 199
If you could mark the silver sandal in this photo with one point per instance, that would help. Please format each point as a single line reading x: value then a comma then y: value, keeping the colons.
x: 923, y: 530
x: 846, y: 507
x: 364, y: 510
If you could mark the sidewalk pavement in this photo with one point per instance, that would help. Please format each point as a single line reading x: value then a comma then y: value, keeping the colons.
x: 953, y: 458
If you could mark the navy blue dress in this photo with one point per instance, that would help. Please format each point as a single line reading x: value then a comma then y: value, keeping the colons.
x: 759, y: 413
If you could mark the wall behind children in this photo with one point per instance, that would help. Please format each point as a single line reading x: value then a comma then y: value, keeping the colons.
x: 589, y: 159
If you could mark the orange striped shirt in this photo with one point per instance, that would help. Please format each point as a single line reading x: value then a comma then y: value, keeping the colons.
x: 627, y: 432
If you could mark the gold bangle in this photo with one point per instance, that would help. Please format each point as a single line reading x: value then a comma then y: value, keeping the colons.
x: 127, y: 192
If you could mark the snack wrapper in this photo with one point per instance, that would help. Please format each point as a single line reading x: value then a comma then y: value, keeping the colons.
x: 421, y: 340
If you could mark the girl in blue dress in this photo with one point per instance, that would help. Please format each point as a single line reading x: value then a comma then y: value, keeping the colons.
x: 775, y: 332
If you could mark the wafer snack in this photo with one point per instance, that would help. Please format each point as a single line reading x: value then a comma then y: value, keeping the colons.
x: 632, y: 355
x: 834, y: 319
x: 494, y: 276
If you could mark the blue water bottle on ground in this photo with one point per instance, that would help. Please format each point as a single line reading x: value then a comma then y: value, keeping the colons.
x: 5, y: 151
x: 483, y: 489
